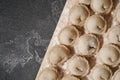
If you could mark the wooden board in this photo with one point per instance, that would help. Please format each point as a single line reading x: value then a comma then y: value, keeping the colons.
x: 63, y: 21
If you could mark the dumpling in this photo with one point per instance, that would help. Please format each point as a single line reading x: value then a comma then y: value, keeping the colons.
x: 87, y: 45
x: 118, y: 15
x: 114, y: 35
x: 100, y: 72
x: 110, y: 55
x: 78, y: 66
x: 58, y: 54
x: 96, y: 24
x: 116, y: 75
x: 70, y: 78
x: 49, y: 74
x: 78, y: 14
x: 87, y: 2
x: 68, y: 35
x: 101, y: 6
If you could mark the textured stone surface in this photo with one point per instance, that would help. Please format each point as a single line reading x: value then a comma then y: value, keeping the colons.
x: 26, y: 27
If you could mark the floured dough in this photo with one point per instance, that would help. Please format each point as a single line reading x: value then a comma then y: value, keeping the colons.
x: 78, y: 14
x: 96, y: 24
x: 68, y: 35
x: 101, y: 6
x: 78, y: 66
x: 70, y: 78
x: 100, y: 72
x: 116, y: 75
x: 114, y: 35
x: 59, y: 54
x: 110, y: 55
x: 87, y: 45
x: 87, y: 2
x: 48, y: 74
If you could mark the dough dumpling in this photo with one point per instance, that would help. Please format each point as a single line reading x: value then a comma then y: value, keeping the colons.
x: 78, y: 14
x: 96, y: 24
x: 68, y: 35
x: 87, y: 45
x: 78, y: 66
x: 116, y: 75
x: 110, y: 55
x: 118, y: 15
x: 70, y: 78
x: 87, y: 2
x: 114, y: 35
x: 101, y: 6
x: 100, y: 72
x: 48, y: 74
x: 59, y: 54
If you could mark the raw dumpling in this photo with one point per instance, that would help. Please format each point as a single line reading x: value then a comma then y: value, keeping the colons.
x: 110, y: 55
x: 78, y: 66
x: 116, y: 75
x: 48, y: 74
x: 78, y: 14
x: 101, y: 6
x: 59, y: 54
x: 70, y: 78
x: 118, y: 15
x: 96, y: 24
x: 87, y: 2
x: 100, y: 72
x: 68, y: 35
x: 114, y: 35
x: 87, y: 45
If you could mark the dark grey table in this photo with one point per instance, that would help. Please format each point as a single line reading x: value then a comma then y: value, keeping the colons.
x: 26, y: 27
